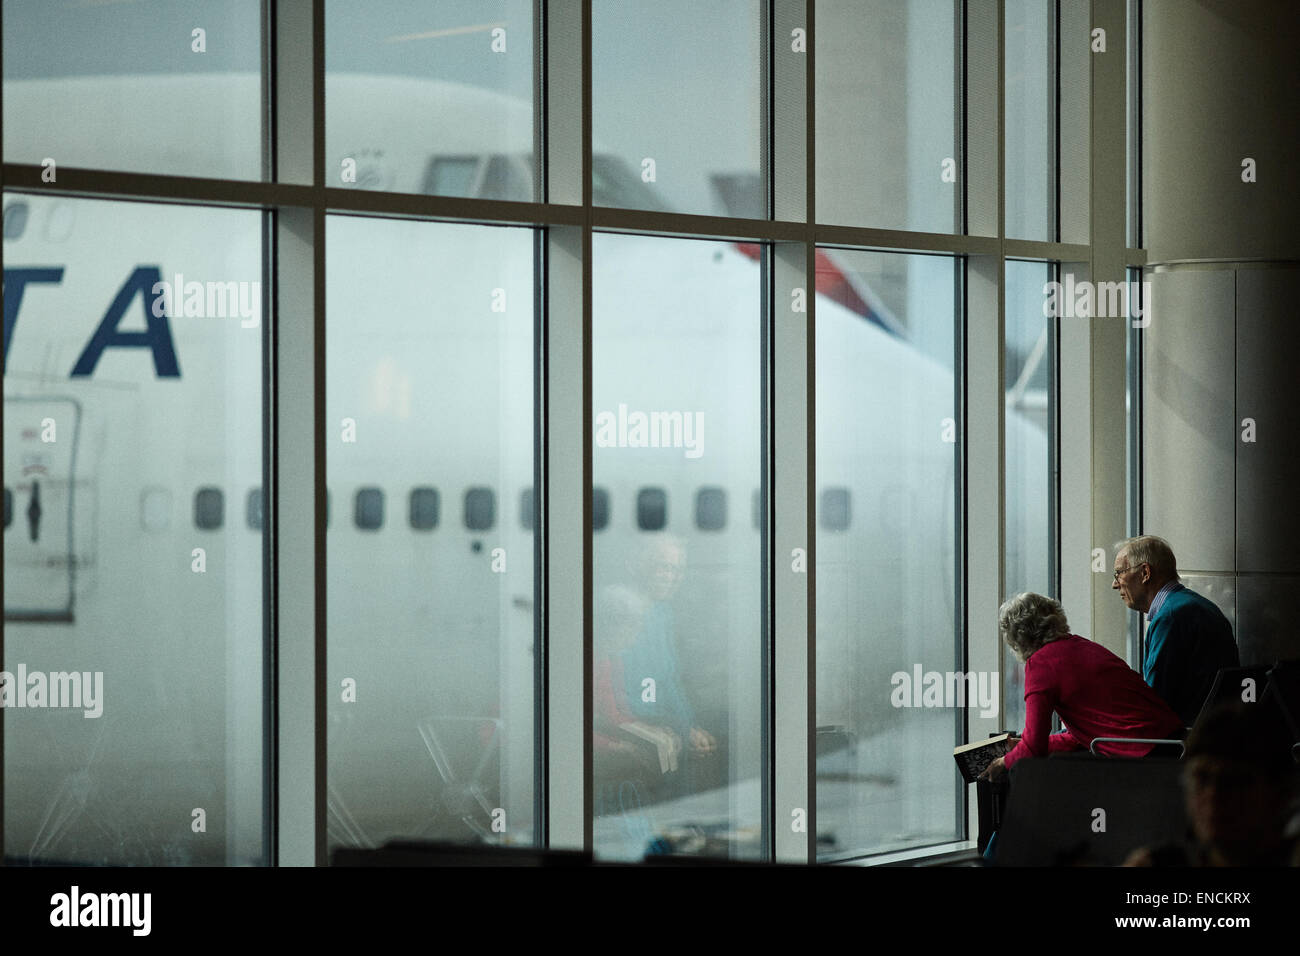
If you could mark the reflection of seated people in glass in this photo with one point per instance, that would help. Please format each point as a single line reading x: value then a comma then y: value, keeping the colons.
x: 1239, y: 786
x: 631, y: 757
x: 1095, y: 693
x: 652, y: 676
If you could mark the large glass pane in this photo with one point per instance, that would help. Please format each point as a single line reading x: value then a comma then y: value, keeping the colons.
x: 430, y: 554
x: 1030, y: 91
x: 676, y: 106
x: 1030, y: 411
x: 132, y: 676
x: 155, y: 86
x: 432, y: 98
x: 886, y: 551
x: 888, y: 119
x: 1132, y: 127
x: 1133, y: 439
x: 676, y: 387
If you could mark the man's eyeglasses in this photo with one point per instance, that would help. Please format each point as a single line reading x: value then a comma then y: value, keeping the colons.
x: 1124, y: 571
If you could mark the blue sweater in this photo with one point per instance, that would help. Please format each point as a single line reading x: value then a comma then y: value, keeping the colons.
x: 1188, y: 641
x: 654, y: 655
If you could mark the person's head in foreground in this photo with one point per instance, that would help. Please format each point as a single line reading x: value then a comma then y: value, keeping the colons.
x: 1239, y: 781
x: 1028, y: 621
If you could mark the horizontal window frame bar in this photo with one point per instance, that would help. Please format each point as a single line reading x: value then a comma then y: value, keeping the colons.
x: 898, y: 240
x: 149, y: 187
x: 1045, y: 251
x: 653, y: 223
x: 240, y: 194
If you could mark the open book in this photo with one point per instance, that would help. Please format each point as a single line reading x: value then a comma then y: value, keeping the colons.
x: 973, y: 759
x: 665, y: 742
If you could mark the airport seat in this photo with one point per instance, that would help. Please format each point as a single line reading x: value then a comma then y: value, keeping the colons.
x: 990, y: 803
x: 1283, y: 695
x: 1227, y: 686
x: 1081, y: 810
x: 1229, y: 683
x: 1163, y: 746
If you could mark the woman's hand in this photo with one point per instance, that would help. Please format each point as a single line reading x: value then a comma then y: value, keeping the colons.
x: 994, y: 770
x: 701, y: 741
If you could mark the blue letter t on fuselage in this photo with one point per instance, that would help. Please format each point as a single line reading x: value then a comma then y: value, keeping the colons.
x: 156, y: 337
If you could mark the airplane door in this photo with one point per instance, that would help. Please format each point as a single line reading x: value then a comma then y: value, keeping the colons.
x: 39, y: 471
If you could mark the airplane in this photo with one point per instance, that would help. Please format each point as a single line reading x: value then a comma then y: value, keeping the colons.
x: 134, y: 510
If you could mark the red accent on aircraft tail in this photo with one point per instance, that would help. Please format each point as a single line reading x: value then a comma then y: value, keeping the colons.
x: 830, y: 279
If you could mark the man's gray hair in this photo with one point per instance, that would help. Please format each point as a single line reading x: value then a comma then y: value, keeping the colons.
x: 1028, y: 621
x: 1148, y: 549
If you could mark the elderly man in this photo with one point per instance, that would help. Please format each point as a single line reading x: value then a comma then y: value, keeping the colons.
x: 1188, y: 638
x: 653, y: 654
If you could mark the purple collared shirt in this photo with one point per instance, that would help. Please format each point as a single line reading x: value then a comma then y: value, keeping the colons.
x: 1163, y: 593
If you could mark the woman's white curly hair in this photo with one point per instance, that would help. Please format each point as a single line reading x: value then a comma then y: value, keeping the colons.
x: 1028, y: 621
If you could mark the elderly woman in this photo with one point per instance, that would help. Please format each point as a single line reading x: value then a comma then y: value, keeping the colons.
x: 1095, y: 692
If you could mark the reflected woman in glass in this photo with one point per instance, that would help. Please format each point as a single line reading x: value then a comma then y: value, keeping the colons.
x: 626, y: 761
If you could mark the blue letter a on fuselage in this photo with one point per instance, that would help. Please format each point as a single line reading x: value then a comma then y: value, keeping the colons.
x: 157, y: 337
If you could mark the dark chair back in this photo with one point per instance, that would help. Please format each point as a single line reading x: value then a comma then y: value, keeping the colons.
x: 1080, y: 810
x: 1230, y: 684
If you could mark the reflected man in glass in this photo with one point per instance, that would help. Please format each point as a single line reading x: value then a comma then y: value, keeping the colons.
x: 652, y: 676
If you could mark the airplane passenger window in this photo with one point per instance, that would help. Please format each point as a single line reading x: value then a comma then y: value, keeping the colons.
x: 155, y: 509
x: 253, y: 509
x: 651, y: 509
x: 369, y: 511
x: 599, y: 509
x: 711, y: 509
x: 835, y: 509
x: 425, y: 508
x: 480, y: 509
x: 9, y: 507
x: 526, y: 509
x: 209, y: 508
x: 15, y: 220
